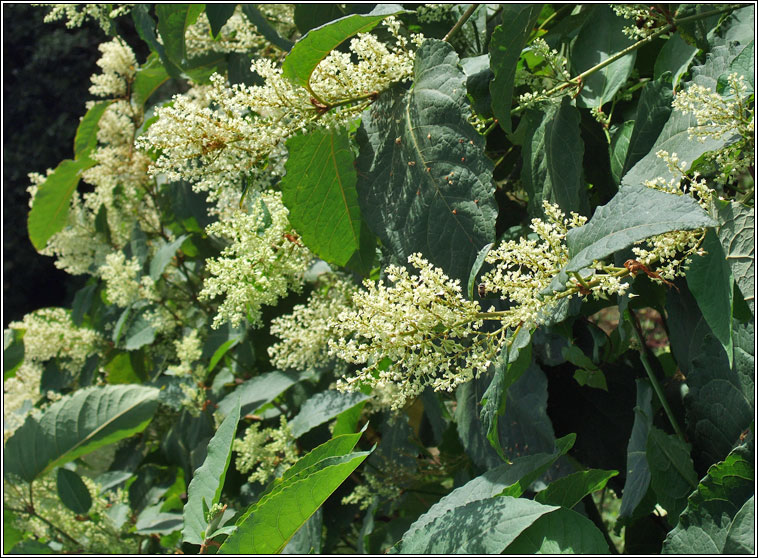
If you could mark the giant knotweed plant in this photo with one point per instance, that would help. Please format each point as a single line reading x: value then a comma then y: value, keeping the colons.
x: 367, y: 279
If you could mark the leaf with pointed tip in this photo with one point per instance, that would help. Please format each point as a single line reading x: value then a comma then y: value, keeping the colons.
x: 740, y: 539
x: 49, y: 212
x: 255, y: 393
x: 76, y: 425
x: 86, y: 133
x: 506, y: 44
x: 208, y: 481
x: 150, y: 76
x: 425, y: 184
x: 319, y: 191
x: 317, y: 43
x: 635, y: 213
x: 568, y: 491
x: 265, y: 28
x: 73, y: 492
x: 321, y: 408
x: 173, y: 20
x: 268, y: 525
x: 596, y: 43
x: 218, y: 15
x: 163, y: 257
x: 553, y: 155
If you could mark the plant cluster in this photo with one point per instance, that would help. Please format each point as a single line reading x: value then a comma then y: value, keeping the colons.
x: 384, y: 278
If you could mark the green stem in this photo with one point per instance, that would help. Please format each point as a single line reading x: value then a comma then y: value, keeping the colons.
x: 594, y: 515
x: 608, y: 61
x: 460, y: 22
x: 651, y: 375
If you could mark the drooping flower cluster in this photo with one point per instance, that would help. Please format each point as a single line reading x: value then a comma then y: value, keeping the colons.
x: 265, y: 451
x: 119, y: 67
x: 306, y: 331
x: 262, y: 262
x: 413, y: 333
x: 216, y: 141
x: 76, y: 14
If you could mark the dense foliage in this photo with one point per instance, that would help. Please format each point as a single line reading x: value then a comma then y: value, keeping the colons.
x: 419, y: 279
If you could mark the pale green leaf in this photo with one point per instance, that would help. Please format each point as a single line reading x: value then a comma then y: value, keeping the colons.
x: 208, y: 481
x: 562, y: 531
x: 86, y: 133
x: 568, y: 491
x: 637, y: 470
x: 322, y: 407
x: 255, y: 393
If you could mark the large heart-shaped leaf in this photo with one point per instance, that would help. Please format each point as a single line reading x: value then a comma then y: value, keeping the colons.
x: 424, y: 182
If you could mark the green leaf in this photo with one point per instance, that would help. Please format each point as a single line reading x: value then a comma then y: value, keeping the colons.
x: 425, y: 184
x: 476, y: 267
x: 49, y: 212
x: 307, y: 539
x: 653, y: 111
x: 710, y: 281
x: 309, y: 16
x: 510, y: 479
x: 553, y: 154
x: 13, y: 352
x: 634, y: 214
x: 220, y: 352
x: 568, y: 491
x: 163, y: 257
x: 705, y: 524
x: 736, y: 232
x: 347, y: 420
x: 265, y: 28
x: 173, y: 20
x: 740, y: 539
x: 76, y: 425
x: 152, y: 521
x: 150, y: 76
x: 478, y: 77
x: 319, y: 190
x: 506, y: 44
x: 218, y: 14
x: 637, y: 470
x: 336, y: 446
x: 145, y: 26
x: 119, y: 370
x: 86, y: 133
x: 525, y: 428
x: 512, y: 362
x: 597, y: 42
x: 73, y: 492
x: 672, y: 474
x: 255, y: 393
x: 82, y: 302
x: 11, y: 534
x: 479, y: 527
x: 268, y: 525
x: 318, y: 43
x: 322, y: 407
x: 563, y: 531
x: 208, y: 481
x: 619, y: 147
x: 675, y: 56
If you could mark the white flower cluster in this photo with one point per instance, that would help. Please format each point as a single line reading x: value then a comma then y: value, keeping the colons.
x: 215, y: 140
x: 265, y: 451
x: 543, y: 83
x: 121, y: 279
x: 412, y: 334
x: 76, y: 14
x: 119, y: 67
x: 20, y: 393
x: 95, y: 533
x: 731, y: 116
x: 646, y: 19
x: 263, y: 261
x: 189, y: 349
x: 238, y: 34
x: 428, y: 13
x: 306, y: 331
x: 50, y: 333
